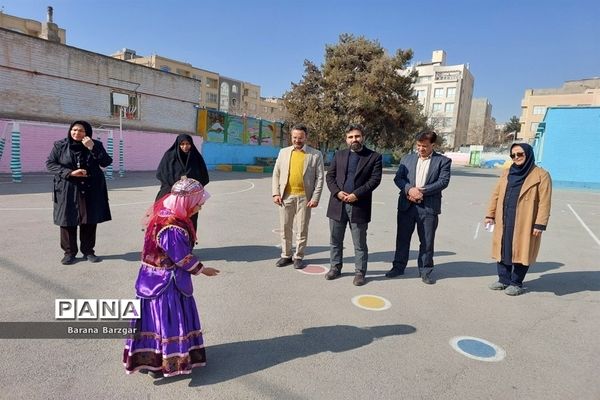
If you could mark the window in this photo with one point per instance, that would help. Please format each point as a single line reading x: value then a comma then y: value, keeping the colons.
x: 451, y: 92
x: 539, y: 110
x: 165, y: 68
x: 449, y: 107
x: 420, y: 95
x: 448, y: 122
x: 425, y: 78
x: 534, y: 126
x: 211, y: 97
x: 439, y: 92
x: 211, y: 83
x: 234, y: 89
x: 132, y: 111
x: 436, y: 107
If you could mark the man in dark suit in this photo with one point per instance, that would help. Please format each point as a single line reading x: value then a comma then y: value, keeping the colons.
x: 353, y: 175
x: 421, y: 177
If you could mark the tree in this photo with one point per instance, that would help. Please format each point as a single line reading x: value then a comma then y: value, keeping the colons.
x: 513, y: 125
x: 357, y: 83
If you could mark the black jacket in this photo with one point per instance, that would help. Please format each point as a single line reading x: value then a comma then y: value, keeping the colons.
x: 67, y: 190
x: 367, y: 178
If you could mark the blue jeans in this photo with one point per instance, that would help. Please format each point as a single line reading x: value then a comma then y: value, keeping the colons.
x: 359, y: 239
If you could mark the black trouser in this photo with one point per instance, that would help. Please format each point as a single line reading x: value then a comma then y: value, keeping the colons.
x: 512, y: 274
x: 426, y: 224
x: 87, y: 236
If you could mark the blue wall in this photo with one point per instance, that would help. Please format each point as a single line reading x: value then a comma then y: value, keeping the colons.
x: 569, y: 146
x: 222, y: 153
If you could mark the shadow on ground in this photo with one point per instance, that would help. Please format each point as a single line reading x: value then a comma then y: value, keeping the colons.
x: 232, y: 360
x: 563, y: 283
x: 250, y: 253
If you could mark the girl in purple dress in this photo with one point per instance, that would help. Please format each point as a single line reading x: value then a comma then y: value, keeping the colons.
x: 168, y: 338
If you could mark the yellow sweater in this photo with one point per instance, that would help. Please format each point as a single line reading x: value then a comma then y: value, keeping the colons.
x: 295, y: 185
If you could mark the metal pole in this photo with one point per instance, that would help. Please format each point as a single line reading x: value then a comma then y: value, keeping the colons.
x: 15, y: 154
x: 121, y: 152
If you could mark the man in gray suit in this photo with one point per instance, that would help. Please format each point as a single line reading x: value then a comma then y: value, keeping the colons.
x: 421, y: 177
x: 296, y: 187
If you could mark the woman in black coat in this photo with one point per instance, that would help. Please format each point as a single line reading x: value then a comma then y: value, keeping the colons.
x: 182, y: 159
x: 80, y: 194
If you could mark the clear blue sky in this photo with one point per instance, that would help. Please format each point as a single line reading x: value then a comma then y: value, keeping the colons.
x: 510, y: 45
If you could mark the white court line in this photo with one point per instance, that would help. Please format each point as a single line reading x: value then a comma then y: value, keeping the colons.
x: 477, y: 230
x: 584, y: 225
x: 252, y: 186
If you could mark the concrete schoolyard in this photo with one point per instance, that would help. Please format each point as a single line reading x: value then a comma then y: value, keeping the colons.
x: 277, y: 333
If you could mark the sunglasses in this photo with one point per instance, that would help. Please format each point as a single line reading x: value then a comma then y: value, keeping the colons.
x: 518, y: 154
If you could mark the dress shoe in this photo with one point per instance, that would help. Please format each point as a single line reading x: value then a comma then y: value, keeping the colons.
x: 282, y: 262
x: 68, y: 259
x: 394, y: 272
x: 359, y: 279
x: 298, y: 264
x: 428, y: 280
x: 334, y: 272
x: 92, y: 258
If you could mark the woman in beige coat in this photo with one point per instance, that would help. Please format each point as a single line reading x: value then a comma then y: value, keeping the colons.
x: 518, y: 211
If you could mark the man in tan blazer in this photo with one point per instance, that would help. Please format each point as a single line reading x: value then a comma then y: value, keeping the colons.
x: 296, y: 188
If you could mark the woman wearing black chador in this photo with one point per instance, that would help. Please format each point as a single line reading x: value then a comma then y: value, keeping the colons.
x: 80, y: 194
x: 181, y: 160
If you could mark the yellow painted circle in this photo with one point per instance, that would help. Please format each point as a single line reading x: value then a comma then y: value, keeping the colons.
x: 371, y: 302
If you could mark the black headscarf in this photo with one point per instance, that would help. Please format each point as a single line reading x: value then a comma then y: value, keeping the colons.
x: 77, y: 148
x: 518, y: 173
x: 175, y: 164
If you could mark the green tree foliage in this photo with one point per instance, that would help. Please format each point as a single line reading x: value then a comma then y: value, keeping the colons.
x: 513, y: 125
x: 359, y: 82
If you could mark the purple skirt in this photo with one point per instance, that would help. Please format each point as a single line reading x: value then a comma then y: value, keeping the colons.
x: 169, y: 336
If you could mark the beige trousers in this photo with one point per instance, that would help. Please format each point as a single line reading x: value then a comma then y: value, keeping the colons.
x: 294, y: 214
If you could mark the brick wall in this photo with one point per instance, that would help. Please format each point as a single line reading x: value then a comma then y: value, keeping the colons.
x: 46, y: 81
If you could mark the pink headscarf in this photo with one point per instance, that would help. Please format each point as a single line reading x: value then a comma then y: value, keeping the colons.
x: 185, y: 195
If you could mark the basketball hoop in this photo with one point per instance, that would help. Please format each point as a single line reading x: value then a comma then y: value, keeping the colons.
x: 130, y: 112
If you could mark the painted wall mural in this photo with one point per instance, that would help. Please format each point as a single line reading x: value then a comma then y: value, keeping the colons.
x: 215, y: 122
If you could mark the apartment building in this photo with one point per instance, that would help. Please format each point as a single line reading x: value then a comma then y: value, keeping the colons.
x: 446, y: 92
x: 217, y: 92
x: 481, y: 124
x: 44, y: 30
x: 209, y: 81
x: 576, y: 93
x: 273, y: 109
x: 251, y: 99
